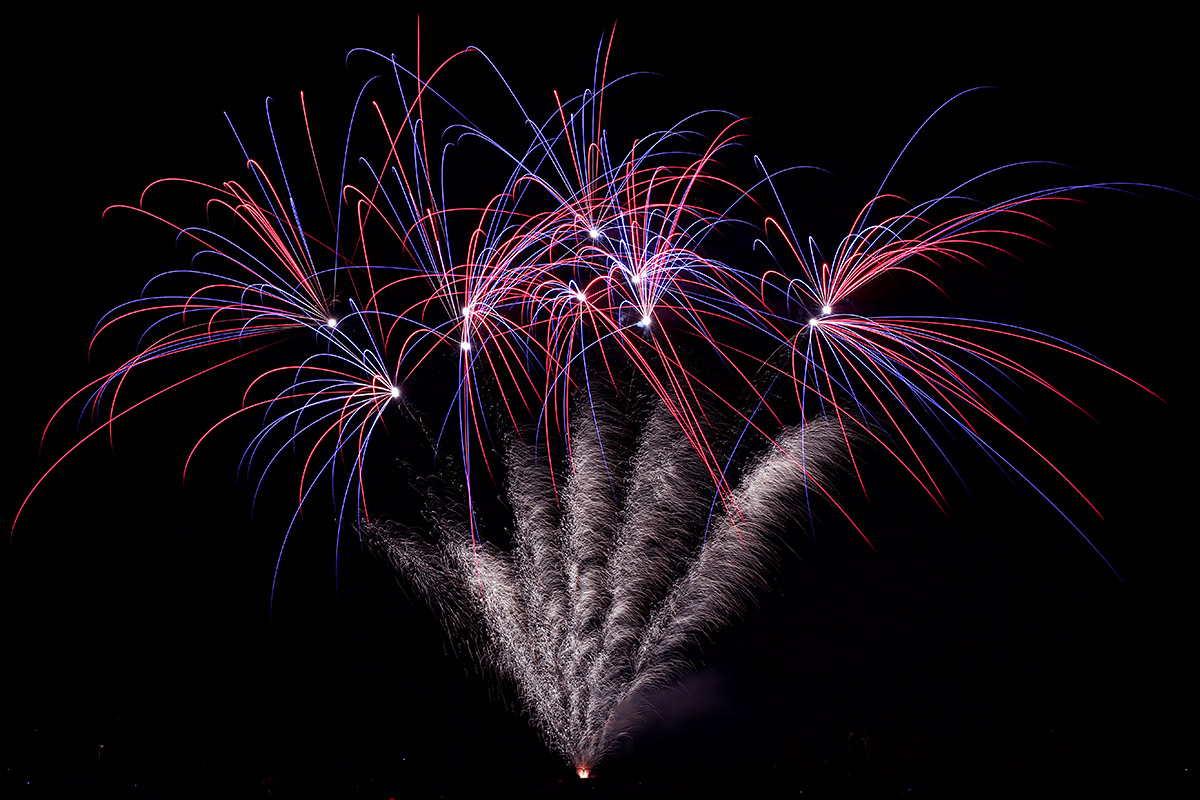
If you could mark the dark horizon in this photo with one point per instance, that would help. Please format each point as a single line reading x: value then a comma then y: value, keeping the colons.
x: 991, y: 642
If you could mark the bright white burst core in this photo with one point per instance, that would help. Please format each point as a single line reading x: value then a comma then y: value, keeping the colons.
x: 826, y: 310
x: 331, y: 322
x: 465, y: 345
x: 395, y: 391
x: 813, y: 322
x: 595, y: 234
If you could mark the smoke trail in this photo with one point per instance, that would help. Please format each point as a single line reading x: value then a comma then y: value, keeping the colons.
x: 608, y: 585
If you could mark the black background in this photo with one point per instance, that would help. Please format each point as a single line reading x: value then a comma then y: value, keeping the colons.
x: 980, y: 651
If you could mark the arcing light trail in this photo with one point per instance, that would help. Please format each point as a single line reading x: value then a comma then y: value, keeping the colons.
x: 581, y: 282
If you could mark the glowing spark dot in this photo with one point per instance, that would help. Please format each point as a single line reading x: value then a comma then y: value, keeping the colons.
x: 332, y: 322
x: 826, y: 311
x: 813, y: 322
x: 580, y: 296
x: 645, y: 322
x: 395, y: 391
x: 636, y: 279
x: 465, y: 344
x: 594, y: 233
x: 466, y: 311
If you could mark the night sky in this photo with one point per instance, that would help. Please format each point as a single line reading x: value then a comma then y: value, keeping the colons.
x: 982, y: 651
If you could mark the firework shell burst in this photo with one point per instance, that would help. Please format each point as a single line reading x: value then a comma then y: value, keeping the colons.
x: 587, y: 273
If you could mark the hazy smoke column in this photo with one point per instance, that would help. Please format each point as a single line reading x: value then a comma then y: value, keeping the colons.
x: 609, y: 582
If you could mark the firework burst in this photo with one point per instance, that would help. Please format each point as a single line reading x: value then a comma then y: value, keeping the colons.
x: 586, y: 272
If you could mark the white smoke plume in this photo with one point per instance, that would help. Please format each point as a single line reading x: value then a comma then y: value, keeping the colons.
x: 611, y: 580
